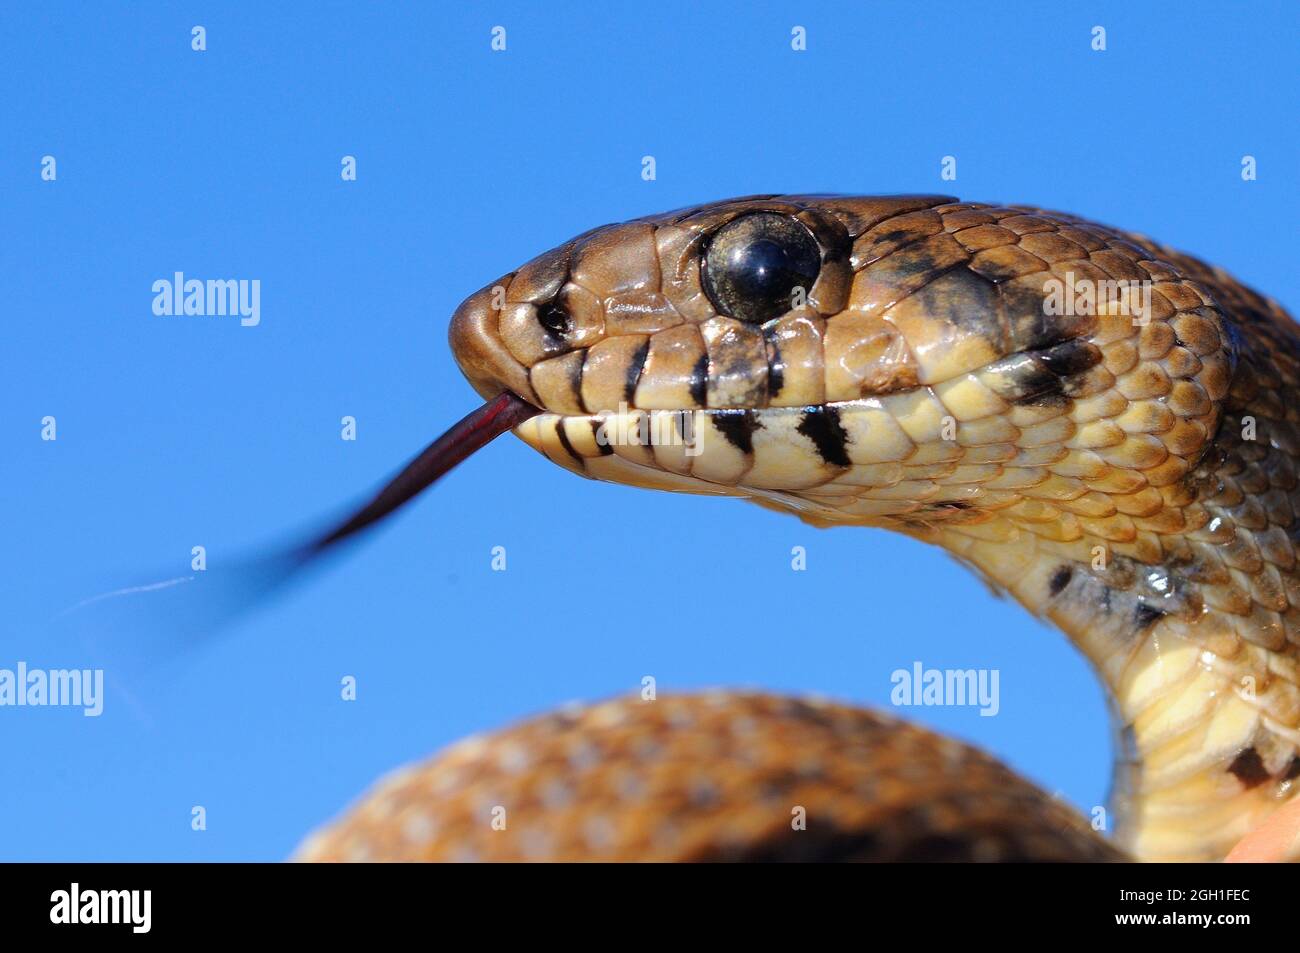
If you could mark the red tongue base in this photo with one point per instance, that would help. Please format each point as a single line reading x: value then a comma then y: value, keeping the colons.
x: 476, y: 430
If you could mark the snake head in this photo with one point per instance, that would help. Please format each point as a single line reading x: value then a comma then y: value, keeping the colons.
x: 900, y: 361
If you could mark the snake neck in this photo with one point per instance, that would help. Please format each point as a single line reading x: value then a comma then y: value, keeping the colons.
x: 1197, y: 642
x: 1187, y: 603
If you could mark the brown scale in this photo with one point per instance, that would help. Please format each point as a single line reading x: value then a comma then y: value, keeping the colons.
x: 709, y: 778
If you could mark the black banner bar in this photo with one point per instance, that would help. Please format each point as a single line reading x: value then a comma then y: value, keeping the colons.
x: 236, y: 901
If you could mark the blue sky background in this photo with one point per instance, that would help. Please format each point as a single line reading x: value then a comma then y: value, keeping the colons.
x: 174, y: 432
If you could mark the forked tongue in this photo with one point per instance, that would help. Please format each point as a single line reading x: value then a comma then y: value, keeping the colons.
x: 197, y: 603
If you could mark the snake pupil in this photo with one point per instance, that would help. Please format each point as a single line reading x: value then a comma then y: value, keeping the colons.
x: 760, y: 268
x: 755, y: 265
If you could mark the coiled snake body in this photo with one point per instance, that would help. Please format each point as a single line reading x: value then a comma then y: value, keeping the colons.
x: 1101, y: 426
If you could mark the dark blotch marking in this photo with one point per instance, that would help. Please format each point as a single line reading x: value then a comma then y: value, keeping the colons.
x: 564, y: 442
x: 966, y: 300
x: 634, y: 370
x: 700, y: 381
x: 1248, y: 768
x: 898, y: 236
x: 1026, y: 380
x: 1144, y: 615
x: 1070, y: 358
x: 575, y: 378
x: 917, y: 261
x: 822, y: 426
x: 1031, y: 329
x: 1036, y: 378
x: 1293, y: 769
x: 738, y: 427
x: 1060, y: 579
x: 1050, y: 392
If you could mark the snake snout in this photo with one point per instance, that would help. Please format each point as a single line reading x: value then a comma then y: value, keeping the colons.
x: 478, y: 349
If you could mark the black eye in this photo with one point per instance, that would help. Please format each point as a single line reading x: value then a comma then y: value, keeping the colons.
x: 555, y: 320
x: 754, y: 265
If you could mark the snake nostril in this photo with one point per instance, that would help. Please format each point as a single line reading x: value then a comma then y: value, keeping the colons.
x: 555, y: 320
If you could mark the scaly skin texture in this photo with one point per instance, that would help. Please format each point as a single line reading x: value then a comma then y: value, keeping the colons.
x: 1127, y: 473
x: 710, y: 778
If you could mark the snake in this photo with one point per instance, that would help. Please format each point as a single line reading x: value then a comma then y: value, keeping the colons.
x: 1101, y: 427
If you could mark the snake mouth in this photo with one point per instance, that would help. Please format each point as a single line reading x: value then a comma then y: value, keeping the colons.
x: 955, y: 450
x: 874, y: 460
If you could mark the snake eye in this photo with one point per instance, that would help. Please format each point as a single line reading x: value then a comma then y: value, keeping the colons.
x: 755, y: 263
x: 555, y: 320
